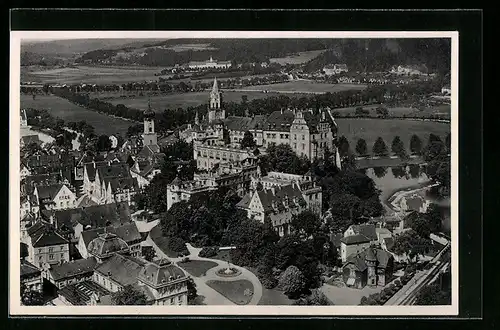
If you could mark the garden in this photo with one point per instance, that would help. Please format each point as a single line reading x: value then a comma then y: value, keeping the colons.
x: 239, y: 292
x: 196, y: 268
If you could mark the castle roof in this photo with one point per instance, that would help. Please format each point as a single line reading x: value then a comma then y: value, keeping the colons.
x: 160, y: 272
x: 121, y: 269
x: 127, y: 232
x: 149, y: 113
x: 28, y: 269
x: 44, y: 234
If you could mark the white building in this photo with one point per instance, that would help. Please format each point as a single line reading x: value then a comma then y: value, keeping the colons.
x: 210, y: 64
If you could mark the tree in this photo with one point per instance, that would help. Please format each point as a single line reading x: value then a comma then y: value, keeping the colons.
x: 292, y: 282
x: 192, y: 292
x: 415, y: 145
x: 31, y: 297
x: 379, y: 148
x: 382, y: 112
x: 103, y: 143
x: 411, y: 244
x: 343, y: 146
x: 433, y: 295
x: 148, y: 253
x: 128, y: 296
x: 306, y: 223
x: 248, y: 141
x: 435, y: 149
x: 361, y: 147
x: 316, y: 298
x: 282, y: 158
x: 398, y: 147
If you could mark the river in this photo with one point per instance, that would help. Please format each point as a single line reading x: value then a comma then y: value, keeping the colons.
x: 393, y: 179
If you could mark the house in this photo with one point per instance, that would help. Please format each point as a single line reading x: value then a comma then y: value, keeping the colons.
x: 67, y: 273
x: 127, y: 232
x: 55, y: 197
x: 86, y: 293
x: 371, y: 266
x: 46, y: 245
x: 31, y: 276
x: 210, y: 64
x: 114, y: 141
x: 30, y: 139
x: 446, y: 90
x: 333, y: 69
x: 29, y: 205
x: 357, y: 238
x: 278, y: 204
x: 24, y: 171
x: 410, y: 69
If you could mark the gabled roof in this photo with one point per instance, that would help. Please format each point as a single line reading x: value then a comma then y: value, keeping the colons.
x: 278, y: 121
x: 127, y: 232
x: 389, y: 243
x: 279, y: 196
x: 380, y: 256
x: 28, y: 269
x: 336, y: 239
x: 28, y: 139
x: 355, y: 239
x: 106, y: 244
x: 121, y: 170
x: 245, y: 201
x: 44, y: 234
x: 120, y: 269
x: 73, y: 268
x: 48, y: 192
x: 368, y: 230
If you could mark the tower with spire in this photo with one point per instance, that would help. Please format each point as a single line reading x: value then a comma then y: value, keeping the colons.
x: 149, y: 137
x: 215, y: 112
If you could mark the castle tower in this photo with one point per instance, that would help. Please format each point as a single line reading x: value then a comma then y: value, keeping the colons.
x: 215, y: 111
x: 371, y: 263
x: 149, y: 136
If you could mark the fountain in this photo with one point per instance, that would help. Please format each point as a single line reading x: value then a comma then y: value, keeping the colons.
x: 228, y: 271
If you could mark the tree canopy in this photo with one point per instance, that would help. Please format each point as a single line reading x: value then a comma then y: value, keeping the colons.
x: 128, y: 296
x: 248, y: 140
x: 415, y: 145
x: 282, y: 158
x: 361, y: 147
x: 379, y: 148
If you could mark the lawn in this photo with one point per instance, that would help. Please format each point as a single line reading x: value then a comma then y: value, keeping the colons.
x: 197, y: 268
x: 233, y: 290
x: 370, y: 129
x: 62, y: 108
x: 162, y: 242
x: 444, y: 111
x: 298, y: 58
x: 272, y: 297
x: 345, y: 296
x: 92, y: 74
x: 305, y: 86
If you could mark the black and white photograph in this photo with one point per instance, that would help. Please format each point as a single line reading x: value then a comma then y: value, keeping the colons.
x: 210, y: 172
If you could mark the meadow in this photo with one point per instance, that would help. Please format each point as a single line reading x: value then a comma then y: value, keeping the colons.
x: 370, y: 129
x: 305, y: 86
x: 184, y: 100
x: 299, y: 58
x: 444, y: 111
x: 92, y: 74
x: 67, y: 111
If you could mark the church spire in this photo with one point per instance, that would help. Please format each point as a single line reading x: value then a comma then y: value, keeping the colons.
x: 215, y: 87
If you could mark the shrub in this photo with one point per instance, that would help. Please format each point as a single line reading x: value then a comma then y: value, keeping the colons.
x: 292, y: 282
x: 177, y: 244
x: 208, y: 252
x: 266, y: 277
x: 398, y: 283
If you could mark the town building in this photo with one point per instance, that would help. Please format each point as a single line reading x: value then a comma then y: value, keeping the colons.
x: 410, y: 69
x: 210, y: 64
x: 55, y: 197
x: 24, y: 171
x: 371, y: 266
x: 31, y: 276
x: 334, y: 69
x: 24, y: 118
x: 67, y: 273
x: 46, y: 246
x: 356, y: 239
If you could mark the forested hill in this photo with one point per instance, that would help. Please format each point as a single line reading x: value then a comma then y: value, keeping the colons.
x: 358, y: 54
x: 382, y: 54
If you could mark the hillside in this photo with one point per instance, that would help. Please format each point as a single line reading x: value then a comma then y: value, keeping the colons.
x: 382, y: 54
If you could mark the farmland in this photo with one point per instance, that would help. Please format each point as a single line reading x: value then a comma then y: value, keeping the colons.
x: 387, y: 129
x: 68, y: 111
x: 304, y: 86
x: 299, y: 58
x: 443, y: 111
x: 184, y: 100
x: 91, y: 74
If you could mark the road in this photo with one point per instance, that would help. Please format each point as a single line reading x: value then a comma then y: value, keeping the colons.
x: 408, y: 294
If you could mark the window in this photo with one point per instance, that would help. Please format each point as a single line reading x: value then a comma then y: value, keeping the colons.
x: 295, y: 145
x: 295, y: 136
x: 62, y: 256
x: 39, y: 250
x: 150, y: 129
x: 62, y: 247
x: 281, y: 136
x: 51, y: 257
x: 171, y: 301
x: 303, y: 137
x: 303, y: 146
x: 51, y: 249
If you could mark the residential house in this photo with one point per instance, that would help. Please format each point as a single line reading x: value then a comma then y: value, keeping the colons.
x: 357, y: 238
x: 55, y: 197
x: 24, y: 171
x: 371, y: 266
x: 46, y: 245
x: 29, y: 205
x: 334, y: 69
x: 67, y: 273
x: 31, y: 276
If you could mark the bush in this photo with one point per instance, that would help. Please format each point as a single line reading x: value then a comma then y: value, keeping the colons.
x: 292, y: 282
x: 177, y: 244
x: 398, y: 283
x: 266, y: 277
x: 209, y: 251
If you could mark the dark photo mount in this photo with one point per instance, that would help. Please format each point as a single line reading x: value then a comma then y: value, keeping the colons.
x: 467, y: 23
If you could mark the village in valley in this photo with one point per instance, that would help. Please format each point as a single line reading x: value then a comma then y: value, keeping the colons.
x: 222, y: 172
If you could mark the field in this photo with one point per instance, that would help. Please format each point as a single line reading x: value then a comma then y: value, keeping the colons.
x: 300, y: 58
x: 174, y: 101
x: 305, y: 86
x: 62, y: 108
x: 92, y: 74
x: 443, y: 111
x: 370, y: 129
x: 197, y: 267
x: 193, y: 47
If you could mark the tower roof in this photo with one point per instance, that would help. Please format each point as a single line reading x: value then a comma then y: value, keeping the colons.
x: 149, y: 113
x: 371, y: 255
x: 106, y: 244
x: 215, y: 87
